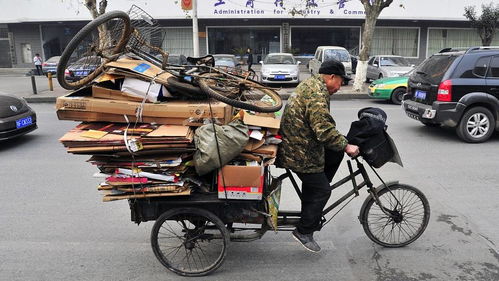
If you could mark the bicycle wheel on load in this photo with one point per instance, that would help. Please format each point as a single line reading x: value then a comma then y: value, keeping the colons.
x: 402, y: 220
x: 190, y: 241
x: 84, y: 57
x: 240, y: 92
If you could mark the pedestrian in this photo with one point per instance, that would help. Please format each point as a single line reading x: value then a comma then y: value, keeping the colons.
x: 250, y: 59
x: 312, y: 147
x: 37, y: 60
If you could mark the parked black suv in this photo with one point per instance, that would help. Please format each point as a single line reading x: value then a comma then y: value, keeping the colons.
x: 458, y: 89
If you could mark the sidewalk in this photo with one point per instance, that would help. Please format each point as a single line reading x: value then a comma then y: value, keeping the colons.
x: 46, y: 96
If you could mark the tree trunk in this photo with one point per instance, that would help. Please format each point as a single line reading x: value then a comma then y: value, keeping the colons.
x: 92, y: 7
x: 486, y: 35
x: 367, y: 34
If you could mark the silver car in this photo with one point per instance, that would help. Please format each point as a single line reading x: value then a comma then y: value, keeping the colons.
x: 387, y: 66
x: 226, y: 60
x: 280, y: 68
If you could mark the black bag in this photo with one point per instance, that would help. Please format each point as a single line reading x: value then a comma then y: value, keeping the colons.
x: 369, y: 133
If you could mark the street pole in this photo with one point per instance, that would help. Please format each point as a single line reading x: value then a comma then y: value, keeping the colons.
x: 195, y: 31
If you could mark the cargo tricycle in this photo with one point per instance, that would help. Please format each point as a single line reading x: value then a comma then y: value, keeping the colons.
x: 191, y: 234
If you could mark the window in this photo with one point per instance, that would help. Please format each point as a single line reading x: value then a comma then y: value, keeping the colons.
x: 337, y: 54
x: 434, y: 68
x: 371, y: 61
x: 439, y: 39
x: 494, y: 68
x: 319, y: 55
x: 178, y: 41
x: 394, y: 61
x: 481, y: 65
x: 279, y: 59
x: 235, y: 40
x: 305, y: 40
x: 395, y: 41
x: 4, y: 32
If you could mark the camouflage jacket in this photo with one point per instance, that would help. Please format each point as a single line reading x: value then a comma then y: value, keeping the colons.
x: 307, y: 128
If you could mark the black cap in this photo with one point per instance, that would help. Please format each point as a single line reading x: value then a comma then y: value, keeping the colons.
x: 335, y: 67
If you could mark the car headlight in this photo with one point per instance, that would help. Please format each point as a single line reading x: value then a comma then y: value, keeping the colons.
x: 378, y: 86
x: 265, y: 71
x: 294, y: 72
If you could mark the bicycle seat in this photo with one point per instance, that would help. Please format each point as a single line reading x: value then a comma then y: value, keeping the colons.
x: 208, y: 60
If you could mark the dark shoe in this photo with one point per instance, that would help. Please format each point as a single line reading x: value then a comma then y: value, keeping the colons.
x: 307, y: 241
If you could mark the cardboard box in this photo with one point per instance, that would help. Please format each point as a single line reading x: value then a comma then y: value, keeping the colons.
x: 261, y: 121
x: 106, y: 93
x: 81, y: 100
x: 240, y: 182
x: 140, y: 69
x: 86, y: 116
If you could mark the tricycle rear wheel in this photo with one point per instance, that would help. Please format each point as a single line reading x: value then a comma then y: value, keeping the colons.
x: 190, y: 241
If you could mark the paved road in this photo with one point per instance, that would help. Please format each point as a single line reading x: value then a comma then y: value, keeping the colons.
x: 55, y: 227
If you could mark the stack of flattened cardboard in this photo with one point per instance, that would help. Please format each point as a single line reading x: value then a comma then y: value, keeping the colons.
x: 158, y: 166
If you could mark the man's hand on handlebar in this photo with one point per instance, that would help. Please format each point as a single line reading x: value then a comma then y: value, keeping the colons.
x: 352, y: 150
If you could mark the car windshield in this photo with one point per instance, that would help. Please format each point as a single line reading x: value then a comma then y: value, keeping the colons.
x: 394, y: 61
x: 337, y: 54
x: 224, y: 59
x: 279, y: 59
x: 434, y: 68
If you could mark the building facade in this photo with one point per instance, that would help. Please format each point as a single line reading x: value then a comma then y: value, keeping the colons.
x: 410, y: 28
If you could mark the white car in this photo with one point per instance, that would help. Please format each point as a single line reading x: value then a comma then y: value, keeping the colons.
x: 280, y: 68
x: 324, y: 53
x: 387, y: 66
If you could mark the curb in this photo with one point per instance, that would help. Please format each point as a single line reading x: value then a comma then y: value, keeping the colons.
x: 337, y: 96
x: 40, y: 99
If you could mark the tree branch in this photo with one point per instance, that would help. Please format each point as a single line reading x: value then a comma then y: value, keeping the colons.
x: 102, y: 6
x: 385, y: 4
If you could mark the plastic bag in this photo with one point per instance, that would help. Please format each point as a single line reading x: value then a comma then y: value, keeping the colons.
x: 231, y: 141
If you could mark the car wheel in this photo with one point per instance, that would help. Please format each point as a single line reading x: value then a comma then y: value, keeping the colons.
x: 397, y: 95
x: 476, y: 125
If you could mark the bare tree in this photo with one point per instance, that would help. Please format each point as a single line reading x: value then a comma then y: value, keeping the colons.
x: 486, y: 24
x: 372, y: 10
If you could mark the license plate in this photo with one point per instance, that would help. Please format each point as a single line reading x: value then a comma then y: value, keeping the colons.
x: 420, y: 94
x: 81, y: 73
x: 279, y: 77
x: 24, y: 122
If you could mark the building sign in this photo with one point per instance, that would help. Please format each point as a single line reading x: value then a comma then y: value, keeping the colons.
x: 280, y: 8
x: 186, y: 5
x: 71, y: 10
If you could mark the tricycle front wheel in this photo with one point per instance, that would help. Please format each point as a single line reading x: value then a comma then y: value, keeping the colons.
x: 190, y: 241
x: 400, y: 217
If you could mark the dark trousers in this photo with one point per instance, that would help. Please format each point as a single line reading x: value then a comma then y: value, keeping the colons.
x: 249, y: 66
x: 39, y: 70
x: 316, y: 192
